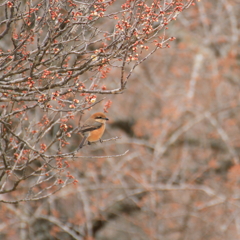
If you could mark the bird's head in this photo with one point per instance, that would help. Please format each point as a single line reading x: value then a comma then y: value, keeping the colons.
x: 99, y: 117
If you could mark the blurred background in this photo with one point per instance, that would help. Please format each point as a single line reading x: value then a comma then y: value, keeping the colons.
x: 179, y: 119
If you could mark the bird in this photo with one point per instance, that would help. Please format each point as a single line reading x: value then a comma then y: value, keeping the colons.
x: 93, y: 128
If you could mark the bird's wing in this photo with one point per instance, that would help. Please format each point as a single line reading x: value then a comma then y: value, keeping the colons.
x: 91, y: 127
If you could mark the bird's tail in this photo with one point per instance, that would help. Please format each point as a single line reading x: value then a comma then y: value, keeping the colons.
x: 83, y: 142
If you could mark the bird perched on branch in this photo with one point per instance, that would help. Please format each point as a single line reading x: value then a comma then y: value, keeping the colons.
x: 93, y: 128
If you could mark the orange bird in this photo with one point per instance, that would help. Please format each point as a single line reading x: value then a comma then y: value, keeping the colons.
x: 93, y: 128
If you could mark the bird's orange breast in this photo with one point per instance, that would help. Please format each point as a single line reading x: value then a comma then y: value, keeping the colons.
x: 95, y: 135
